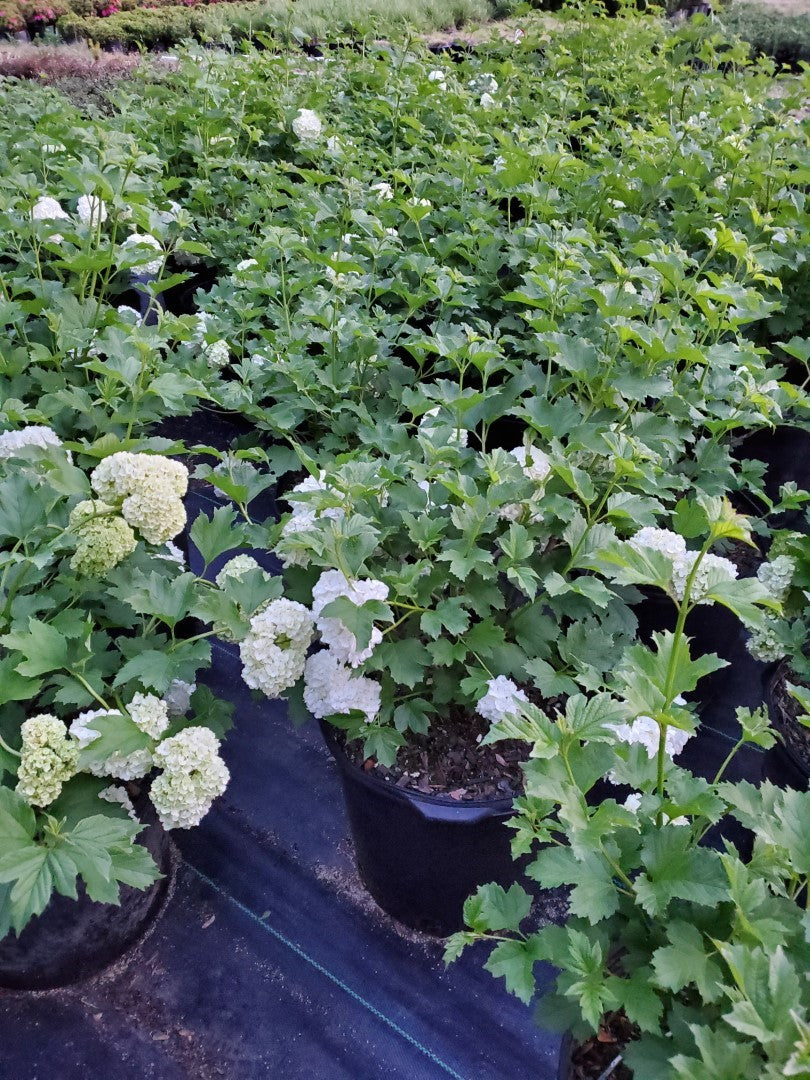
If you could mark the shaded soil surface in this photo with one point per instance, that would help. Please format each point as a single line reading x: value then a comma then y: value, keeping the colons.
x: 784, y: 718
x: 595, y: 1057
x: 451, y: 761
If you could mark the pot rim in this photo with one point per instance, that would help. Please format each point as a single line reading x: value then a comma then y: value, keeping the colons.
x: 500, y: 804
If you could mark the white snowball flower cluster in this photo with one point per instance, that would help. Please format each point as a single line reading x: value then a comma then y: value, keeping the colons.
x: 535, y: 464
x: 438, y: 77
x: 218, y: 353
x: 383, y: 190
x: 764, y: 642
x: 118, y: 795
x: 487, y: 101
x: 274, y: 650
x: 777, y: 575
x: 48, y: 209
x: 103, y: 538
x: 144, y: 240
x: 244, y: 265
x: 91, y: 210
x: 332, y: 689
x: 48, y: 759
x: 307, y: 125
x: 150, y: 714
x: 669, y: 543
x: 151, y: 489
x: 13, y: 442
x: 235, y: 569
x: 193, y: 776
x: 503, y: 698
x: 178, y: 697
x: 121, y: 766
x: 303, y: 518
x: 130, y: 314
x: 329, y: 586
x: 713, y: 569
x: 645, y: 731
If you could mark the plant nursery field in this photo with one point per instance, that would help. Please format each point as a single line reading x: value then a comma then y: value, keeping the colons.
x: 404, y: 551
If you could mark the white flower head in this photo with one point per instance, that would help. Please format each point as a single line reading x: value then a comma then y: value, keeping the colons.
x: 535, y: 464
x: 142, y: 241
x: 91, y: 210
x: 218, y: 354
x: 645, y: 731
x: 307, y: 125
x: 342, y: 642
x: 274, y: 650
x: 235, y: 569
x: 13, y: 442
x: 48, y: 209
x: 669, y: 543
x: 118, y: 795
x: 150, y: 714
x: 48, y: 759
x: 777, y: 575
x: 331, y: 689
x: 150, y: 488
x: 120, y: 766
x: 764, y: 642
x: 488, y: 101
x: 244, y: 265
x: 437, y: 76
x: 503, y: 698
x: 383, y: 190
x: 104, y: 539
x: 713, y: 570
x: 193, y: 776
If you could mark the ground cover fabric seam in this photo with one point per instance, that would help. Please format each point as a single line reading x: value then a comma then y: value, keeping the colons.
x: 328, y: 974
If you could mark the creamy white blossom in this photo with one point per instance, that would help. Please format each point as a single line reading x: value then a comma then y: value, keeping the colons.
x: 150, y: 488
x: 217, y: 353
x: 121, y: 766
x: 274, y: 650
x: 669, y: 543
x: 503, y: 698
x: 91, y: 210
x: 245, y: 264
x: 713, y: 570
x: 48, y: 209
x: 235, y: 569
x: 331, y: 689
x: 150, y: 714
x: 383, y: 190
x: 12, y: 442
x: 307, y: 125
x: 645, y: 731
x: 130, y: 314
x: 303, y: 518
x: 777, y: 575
x: 48, y: 759
x: 116, y: 794
x: 331, y: 585
x: 193, y: 776
x: 144, y: 240
x: 437, y: 76
x: 488, y: 101
x: 535, y: 464
x: 764, y: 641
x: 633, y: 803
x: 104, y: 539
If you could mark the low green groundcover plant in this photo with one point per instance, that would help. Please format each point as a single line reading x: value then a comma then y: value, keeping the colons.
x: 705, y: 951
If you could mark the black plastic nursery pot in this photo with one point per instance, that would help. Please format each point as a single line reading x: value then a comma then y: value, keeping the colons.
x: 420, y: 856
x: 73, y: 939
x: 786, y: 764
